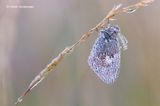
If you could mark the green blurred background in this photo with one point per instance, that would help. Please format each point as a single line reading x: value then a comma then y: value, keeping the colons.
x: 31, y: 38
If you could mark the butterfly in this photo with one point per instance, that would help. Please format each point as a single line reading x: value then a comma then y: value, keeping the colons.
x: 104, y: 58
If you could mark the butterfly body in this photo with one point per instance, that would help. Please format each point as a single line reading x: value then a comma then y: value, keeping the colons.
x: 104, y: 58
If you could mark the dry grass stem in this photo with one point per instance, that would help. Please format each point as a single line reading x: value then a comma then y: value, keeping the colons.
x: 115, y: 11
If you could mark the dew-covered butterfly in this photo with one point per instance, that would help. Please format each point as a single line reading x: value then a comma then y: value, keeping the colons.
x: 104, y: 58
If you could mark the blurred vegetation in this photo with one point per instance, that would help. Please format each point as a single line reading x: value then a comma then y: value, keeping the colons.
x: 31, y: 38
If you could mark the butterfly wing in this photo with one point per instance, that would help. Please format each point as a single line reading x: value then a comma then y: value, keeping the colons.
x: 104, y: 58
